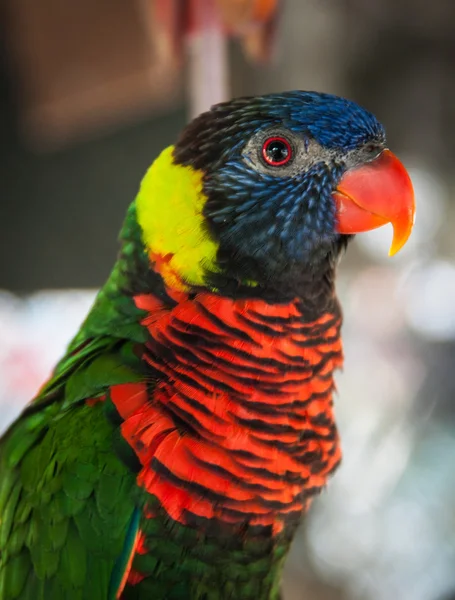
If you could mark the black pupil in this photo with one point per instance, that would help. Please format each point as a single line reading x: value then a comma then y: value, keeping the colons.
x: 277, y: 151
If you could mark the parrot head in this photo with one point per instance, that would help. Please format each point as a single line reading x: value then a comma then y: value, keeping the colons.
x: 266, y: 191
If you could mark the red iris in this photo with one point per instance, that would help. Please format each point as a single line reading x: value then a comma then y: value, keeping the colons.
x: 276, y: 151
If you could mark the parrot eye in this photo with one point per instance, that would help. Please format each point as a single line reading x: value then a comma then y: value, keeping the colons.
x: 276, y: 151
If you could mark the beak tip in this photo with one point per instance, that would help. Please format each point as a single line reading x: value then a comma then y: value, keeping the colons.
x: 400, y: 236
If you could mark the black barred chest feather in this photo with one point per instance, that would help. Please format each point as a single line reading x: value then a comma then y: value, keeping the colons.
x: 241, y: 429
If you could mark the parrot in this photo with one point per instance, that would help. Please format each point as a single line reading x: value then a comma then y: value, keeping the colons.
x: 182, y: 437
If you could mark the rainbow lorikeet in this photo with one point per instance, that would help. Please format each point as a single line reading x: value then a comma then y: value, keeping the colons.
x: 190, y: 423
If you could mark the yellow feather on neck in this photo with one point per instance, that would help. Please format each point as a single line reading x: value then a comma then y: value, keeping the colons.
x: 169, y: 211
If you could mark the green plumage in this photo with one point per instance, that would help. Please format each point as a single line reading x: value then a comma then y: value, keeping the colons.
x: 65, y: 510
x: 65, y: 498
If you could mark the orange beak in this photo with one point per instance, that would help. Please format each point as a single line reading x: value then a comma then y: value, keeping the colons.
x: 374, y: 194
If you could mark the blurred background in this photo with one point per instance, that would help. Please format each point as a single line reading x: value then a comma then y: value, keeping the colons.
x: 90, y: 92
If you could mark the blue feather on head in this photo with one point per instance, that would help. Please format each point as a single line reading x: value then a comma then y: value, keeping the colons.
x: 271, y: 164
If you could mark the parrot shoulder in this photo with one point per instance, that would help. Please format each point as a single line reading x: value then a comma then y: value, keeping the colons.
x: 65, y: 495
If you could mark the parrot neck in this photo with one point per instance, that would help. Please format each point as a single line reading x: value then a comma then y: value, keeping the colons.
x: 233, y: 431
x: 243, y: 404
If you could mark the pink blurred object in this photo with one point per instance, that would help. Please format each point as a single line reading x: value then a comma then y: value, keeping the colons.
x: 202, y: 28
x: 207, y: 54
